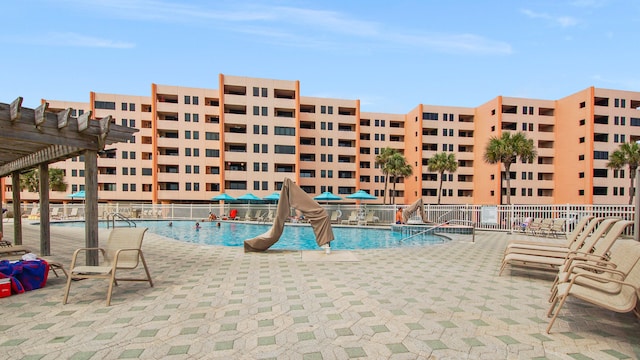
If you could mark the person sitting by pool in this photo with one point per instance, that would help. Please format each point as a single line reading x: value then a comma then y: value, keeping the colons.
x: 399, y: 216
x: 212, y: 216
x: 197, y: 226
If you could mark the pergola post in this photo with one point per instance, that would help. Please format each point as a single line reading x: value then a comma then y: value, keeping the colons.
x: 45, y: 231
x: 17, y: 210
x: 91, y: 204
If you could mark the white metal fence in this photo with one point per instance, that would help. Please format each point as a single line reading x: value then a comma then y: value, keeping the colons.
x: 499, y: 218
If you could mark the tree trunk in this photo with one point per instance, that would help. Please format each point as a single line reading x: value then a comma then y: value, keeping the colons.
x: 386, y: 181
x: 440, y: 188
x: 632, y: 176
x: 507, y: 175
x: 395, y: 180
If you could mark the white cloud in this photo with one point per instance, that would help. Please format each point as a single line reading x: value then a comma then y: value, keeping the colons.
x: 292, y: 25
x: 69, y: 39
x: 79, y: 40
x: 563, y: 21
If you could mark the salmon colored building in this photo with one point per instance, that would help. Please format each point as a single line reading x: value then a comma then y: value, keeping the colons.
x: 248, y: 134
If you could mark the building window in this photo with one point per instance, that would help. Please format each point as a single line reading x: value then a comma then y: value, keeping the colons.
x: 256, y: 148
x: 187, y: 134
x: 264, y: 92
x: 256, y: 185
x: 187, y: 99
x: 265, y: 148
x: 265, y: 111
x: 256, y: 110
x: 265, y: 130
x: 256, y: 91
x: 124, y: 107
x: 256, y: 129
x: 187, y: 117
x: 196, y: 117
x: 329, y: 110
x: 187, y: 169
x: 195, y: 102
x: 323, y: 109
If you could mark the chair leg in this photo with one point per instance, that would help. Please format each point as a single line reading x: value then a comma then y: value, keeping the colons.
x: 112, y: 280
x: 553, y: 319
x: 146, y: 269
x: 504, y: 265
x: 66, y: 290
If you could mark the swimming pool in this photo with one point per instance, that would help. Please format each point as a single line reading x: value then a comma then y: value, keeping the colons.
x: 293, y: 238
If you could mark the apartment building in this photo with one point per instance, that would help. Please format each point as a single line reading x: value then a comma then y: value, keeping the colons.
x: 250, y: 133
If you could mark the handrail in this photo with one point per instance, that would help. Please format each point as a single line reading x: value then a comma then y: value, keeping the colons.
x: 113, y: 216
x: 426, y: 231
x: 468, y: 222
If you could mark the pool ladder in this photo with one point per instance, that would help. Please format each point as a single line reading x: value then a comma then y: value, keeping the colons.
x: 111, y: 220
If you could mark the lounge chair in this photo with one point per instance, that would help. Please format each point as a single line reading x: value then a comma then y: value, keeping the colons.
x: 370, y: 218
x: 352, y: 219
x: 268, y: 217
x: 334, y: 217
x: 15, y: 252
x: 557, y: 227
x: 598, y: 292
x: 247, y: 216
x: 553, y: 259
x: 616, y: 266
x: 55, y: 213
x: 541, y: 227
x: 257, y: 216
x: 123, y: 251
x: 74, y: 213
x: 579, y: 233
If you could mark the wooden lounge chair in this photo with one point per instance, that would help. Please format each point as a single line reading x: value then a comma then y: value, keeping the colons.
x: 551, y: 260
x: 598, y: 292
x: 123, y: 251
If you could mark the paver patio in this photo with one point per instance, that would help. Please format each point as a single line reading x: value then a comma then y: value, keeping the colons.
x: 435, y: 302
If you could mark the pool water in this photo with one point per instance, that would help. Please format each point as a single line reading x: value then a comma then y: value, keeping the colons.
x: 293, y: 237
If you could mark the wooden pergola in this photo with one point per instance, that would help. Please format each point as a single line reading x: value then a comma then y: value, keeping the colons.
x: 35, y: 138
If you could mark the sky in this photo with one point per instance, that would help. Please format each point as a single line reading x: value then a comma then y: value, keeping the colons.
x: 391, y: 55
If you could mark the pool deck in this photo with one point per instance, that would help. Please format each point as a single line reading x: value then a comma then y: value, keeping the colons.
x: 434, y: 302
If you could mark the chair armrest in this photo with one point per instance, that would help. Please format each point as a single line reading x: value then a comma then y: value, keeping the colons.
x: 80, y: 250
x: 595, y: 269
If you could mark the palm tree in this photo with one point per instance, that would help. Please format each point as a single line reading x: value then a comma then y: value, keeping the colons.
x: 397, y: 167
x: 506, y: 149
x: 440, y: 163
x: 31, y: 180
x: 381, y: 160
x: 627, y: 154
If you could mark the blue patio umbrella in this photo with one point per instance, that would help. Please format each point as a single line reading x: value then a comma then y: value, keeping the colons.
x: 361, y: 195
x: 223, y: 197
x: 249, y: 197
x: 77, y: 195
x: 275, y: 196
x: 327, y: 196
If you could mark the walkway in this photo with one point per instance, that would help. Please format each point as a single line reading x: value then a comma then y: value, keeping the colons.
x: 437, y: 302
